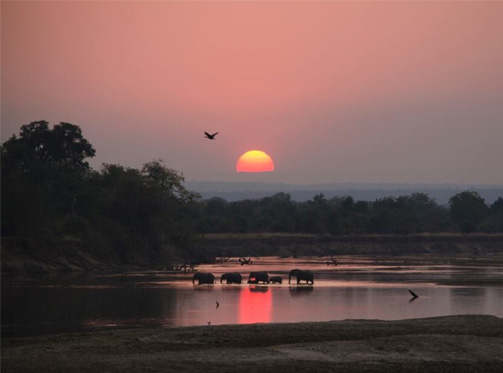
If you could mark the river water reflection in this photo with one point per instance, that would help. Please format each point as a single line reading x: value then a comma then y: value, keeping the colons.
x: 355, y: 289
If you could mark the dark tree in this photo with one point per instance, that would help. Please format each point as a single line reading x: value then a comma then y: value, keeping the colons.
x: 497, y: 206
x: 42, y: 173
x: 494, y: 222
x: 39, y: 147
x: 468, y: 209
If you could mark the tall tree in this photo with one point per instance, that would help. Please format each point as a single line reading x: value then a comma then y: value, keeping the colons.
x: 468, y: 209
x: 42, y: 172
x: 39, y: 148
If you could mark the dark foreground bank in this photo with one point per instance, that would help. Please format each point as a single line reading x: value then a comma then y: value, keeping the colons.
x: 444, y: 344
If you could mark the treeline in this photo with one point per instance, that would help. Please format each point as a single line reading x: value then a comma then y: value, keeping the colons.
x: 119, y: 213
x: 49, y: 191
x: 418, y: 213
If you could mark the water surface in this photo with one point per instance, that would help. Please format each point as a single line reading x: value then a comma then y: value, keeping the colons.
x: 358, y: 288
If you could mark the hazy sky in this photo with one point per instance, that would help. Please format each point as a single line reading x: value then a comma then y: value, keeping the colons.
x: 332, y: 91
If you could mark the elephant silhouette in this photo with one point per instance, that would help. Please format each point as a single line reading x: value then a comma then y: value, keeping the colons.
x: 256, y: 277
x: 275, y: 280
x: 203, y: 278
x: 231, y: 278
x: 301, y: 275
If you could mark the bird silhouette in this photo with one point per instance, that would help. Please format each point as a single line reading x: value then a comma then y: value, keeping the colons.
x: 218, y: 304
x: 414, y: 295
x: 211, y: 137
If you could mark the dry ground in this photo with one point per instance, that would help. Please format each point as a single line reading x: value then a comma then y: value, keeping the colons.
x: 444, y: 344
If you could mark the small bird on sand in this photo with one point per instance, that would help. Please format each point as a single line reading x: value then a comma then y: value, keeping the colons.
x: 211, y: 137
x: 218, y: 304
x: 414, y: 295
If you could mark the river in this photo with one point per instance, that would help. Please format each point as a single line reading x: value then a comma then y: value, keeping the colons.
x: 357, y: 288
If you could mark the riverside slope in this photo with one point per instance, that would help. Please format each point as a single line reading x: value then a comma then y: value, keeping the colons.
x: 271, y: 244
x: 467, y: 343
x: 24, y: 255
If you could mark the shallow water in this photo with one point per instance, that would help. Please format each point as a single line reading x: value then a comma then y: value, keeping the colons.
x: 358, y: 288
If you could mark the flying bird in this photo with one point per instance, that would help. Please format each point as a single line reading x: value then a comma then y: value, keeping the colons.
x: 211, y: 137
x: 414, y: 295
x: 218, y: 304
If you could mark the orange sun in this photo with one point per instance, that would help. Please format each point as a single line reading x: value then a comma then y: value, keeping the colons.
x: 254, y: 161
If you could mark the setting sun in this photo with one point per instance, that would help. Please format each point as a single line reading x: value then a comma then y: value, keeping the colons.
x: 255, y: 161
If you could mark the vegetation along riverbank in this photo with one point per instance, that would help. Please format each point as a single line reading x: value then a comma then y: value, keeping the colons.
x: 59, y: 214
x: 68, y: 255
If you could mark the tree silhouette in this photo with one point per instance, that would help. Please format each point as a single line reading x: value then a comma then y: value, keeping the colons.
x: 468, y: 209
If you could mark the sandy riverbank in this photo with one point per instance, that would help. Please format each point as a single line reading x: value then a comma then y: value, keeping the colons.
x: 444, y: 344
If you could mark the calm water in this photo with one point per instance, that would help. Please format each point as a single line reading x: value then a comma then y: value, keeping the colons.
x: 360, y: 289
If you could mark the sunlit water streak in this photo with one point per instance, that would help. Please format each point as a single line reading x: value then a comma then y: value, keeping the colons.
x: 359, y: 288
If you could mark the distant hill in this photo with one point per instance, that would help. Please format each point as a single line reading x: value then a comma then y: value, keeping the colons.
x: 235, y: 191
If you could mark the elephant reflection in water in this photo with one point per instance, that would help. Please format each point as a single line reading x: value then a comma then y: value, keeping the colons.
x: 203, y: 278
x: 231, y: 278
x: 300, y: 289
x: 301, y: 275
x: 258, y: 289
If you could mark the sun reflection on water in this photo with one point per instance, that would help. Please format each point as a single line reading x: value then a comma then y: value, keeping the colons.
x: 255, y: 305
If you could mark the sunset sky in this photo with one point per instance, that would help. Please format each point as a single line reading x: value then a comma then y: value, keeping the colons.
x: 333, y: 91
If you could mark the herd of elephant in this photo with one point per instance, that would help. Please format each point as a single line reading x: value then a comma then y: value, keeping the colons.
x: 254, y: 278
